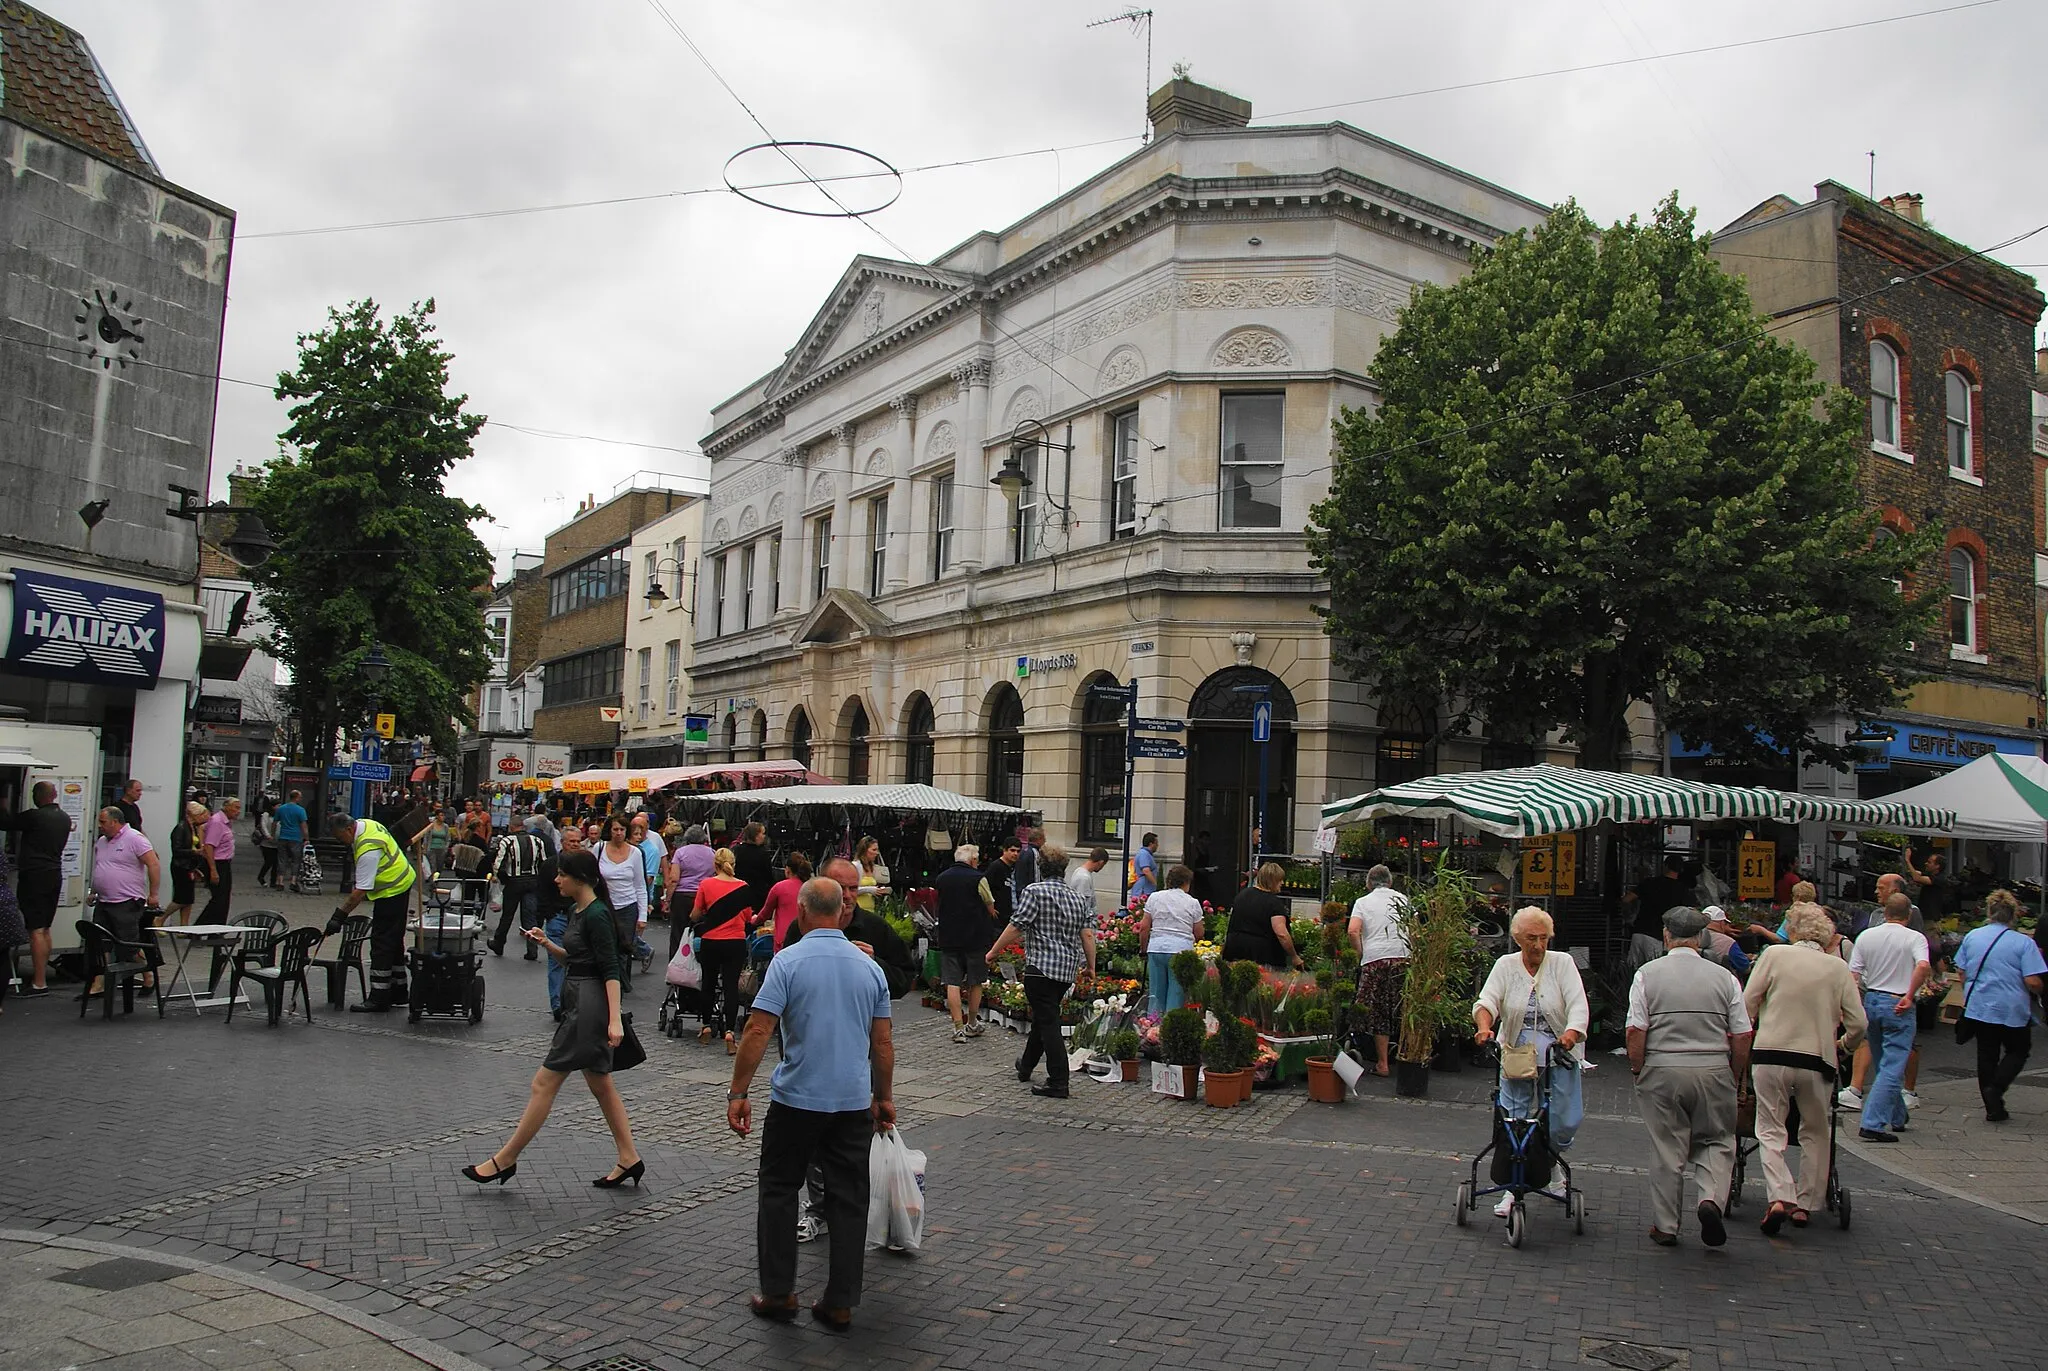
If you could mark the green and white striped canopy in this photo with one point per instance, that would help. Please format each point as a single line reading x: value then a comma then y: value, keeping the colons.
x: 1523, y: 802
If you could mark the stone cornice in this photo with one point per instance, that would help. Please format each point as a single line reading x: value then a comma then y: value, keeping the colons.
x: 1988, y: 283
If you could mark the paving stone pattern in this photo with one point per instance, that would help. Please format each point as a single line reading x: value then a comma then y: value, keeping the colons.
x: 1114, y: 1229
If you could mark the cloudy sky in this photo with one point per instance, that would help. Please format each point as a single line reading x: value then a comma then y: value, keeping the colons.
x: 622, y: 324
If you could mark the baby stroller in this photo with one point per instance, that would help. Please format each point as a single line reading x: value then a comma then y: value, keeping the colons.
x: 1746, y: 1146
x: 1523, y: 1160
x: 309, y: 870
x: 683, y: 998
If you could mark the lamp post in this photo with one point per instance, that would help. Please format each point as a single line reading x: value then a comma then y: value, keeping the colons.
x: 250, y: 543
x: 1029, y: 436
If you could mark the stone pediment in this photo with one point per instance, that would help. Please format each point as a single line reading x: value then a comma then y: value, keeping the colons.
x: 839, y: 615
x: 871, y: 301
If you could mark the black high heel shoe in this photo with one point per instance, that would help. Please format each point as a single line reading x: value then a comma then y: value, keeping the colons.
x: 498, y: 1177
x: 632, y: 1173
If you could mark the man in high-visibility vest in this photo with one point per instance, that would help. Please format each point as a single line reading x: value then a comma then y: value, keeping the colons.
x: 384, y: 877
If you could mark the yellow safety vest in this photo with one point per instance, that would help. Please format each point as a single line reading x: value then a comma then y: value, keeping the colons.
x: 394, y: 872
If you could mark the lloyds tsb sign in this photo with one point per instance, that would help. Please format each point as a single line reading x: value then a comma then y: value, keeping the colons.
x: 85, y: 631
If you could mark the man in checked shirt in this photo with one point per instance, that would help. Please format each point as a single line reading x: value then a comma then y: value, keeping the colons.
x: 1056, y: 925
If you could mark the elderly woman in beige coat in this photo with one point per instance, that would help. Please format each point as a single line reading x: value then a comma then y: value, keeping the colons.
x: 1534, y: 997
x: 1806, y: 1009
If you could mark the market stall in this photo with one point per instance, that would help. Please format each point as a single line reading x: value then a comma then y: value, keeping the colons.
x: 724, y: 775
x: 918, y: 826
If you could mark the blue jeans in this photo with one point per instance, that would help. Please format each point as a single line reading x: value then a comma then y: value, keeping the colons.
x: 557, y: 928
x: 1162, y: 991
x: 1567, y: 1103
x: 1891, y: 1042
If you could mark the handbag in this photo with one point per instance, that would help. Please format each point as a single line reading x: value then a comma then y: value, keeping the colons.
x: 629, y: 1053
x: 1966, y: 1027
x: 1518, y: 1061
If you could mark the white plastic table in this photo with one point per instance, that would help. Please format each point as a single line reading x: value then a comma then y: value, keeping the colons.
x: 182, y: 939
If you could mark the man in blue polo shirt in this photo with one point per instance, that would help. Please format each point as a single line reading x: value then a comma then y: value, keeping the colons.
x: 831, y: 1093
x: 291, y: 837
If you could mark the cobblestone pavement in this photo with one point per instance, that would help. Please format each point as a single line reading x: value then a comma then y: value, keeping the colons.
x: 1115, y: 1229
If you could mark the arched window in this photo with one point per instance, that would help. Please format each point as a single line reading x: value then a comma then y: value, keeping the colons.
x: 1960, y: 456
x: 856, y: 744
x: 760, y: 735
x: 1885, y: 536
x: 800, y: 738
x: 1963, y: 583
x: 1102, y: 761
x: 732, y: 737
x: 1884, y: 394
x: 1006, y: 747
x: 1404, y: 751
x: 919, y: 756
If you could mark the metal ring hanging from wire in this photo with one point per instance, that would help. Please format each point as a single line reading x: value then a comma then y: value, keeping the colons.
x: 783, y: 146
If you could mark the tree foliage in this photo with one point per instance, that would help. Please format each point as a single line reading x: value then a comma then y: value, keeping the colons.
x: 1593, y: 478
x: 372, y: 550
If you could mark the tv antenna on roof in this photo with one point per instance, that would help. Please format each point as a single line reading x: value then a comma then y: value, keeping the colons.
x: 1139, y: 20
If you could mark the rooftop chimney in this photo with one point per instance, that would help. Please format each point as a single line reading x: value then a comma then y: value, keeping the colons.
x: 1907, y: 206
x: 1183, y: 106
x: 2041, y: 367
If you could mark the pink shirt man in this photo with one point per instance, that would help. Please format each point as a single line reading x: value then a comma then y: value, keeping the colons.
x: 118, y: 871
x: 219, y: 835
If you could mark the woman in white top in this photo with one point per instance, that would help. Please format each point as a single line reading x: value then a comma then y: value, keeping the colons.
x: 1534, y: 997
x: 1171, y: 923
x: 1380, y: 935
x: 624, y: 869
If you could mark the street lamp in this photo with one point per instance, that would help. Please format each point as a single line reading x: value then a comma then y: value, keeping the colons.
x: 656, y: 595
x: 250, y: 543
x: 376, y: 665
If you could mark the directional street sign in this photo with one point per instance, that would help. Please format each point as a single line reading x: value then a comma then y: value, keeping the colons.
x: 1262, y: 721
x: 338, y: 772
x: 1121, y: 692
x: 1163, y: 749
x: 1145, y: 725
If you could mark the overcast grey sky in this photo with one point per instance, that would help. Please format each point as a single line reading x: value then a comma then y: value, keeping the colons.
x: 627, y: 322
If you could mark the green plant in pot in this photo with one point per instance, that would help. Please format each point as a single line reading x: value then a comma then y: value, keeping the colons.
x: 1123, y: 1047
x: 1228, y: 1054
x: 1324, y: 1084
x: 1442, y: 959
x: 1181, y: 1033
x: 1189, y: 971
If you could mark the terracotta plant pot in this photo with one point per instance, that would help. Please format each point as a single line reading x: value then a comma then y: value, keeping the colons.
x: 1227, y: 1089
x: 1190, y: 1082
x: 1411, y: 1078
x: 1323, y: 1083
x: 1130, y: 1070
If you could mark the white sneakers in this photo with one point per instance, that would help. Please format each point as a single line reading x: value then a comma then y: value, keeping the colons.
x: 976, y: 1029
x: 1912, y: 1099
x: 959, y: 1034
x: 1850, y: 1097
x: 1506, y: 1205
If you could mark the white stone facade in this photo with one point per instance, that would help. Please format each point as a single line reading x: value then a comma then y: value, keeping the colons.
x: 660, y: 634
x: 1130, y: 318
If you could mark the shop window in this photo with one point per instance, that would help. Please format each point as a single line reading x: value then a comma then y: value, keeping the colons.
x: 920, y: 758
x: 1102, y: 762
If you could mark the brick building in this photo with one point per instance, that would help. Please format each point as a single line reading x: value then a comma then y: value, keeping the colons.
x: 1940, y: 342
x: 588, y: 580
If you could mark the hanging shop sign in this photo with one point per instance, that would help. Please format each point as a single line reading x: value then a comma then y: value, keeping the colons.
x: 85, y: 631
x: 217, y: 709
x: 1550, y: 864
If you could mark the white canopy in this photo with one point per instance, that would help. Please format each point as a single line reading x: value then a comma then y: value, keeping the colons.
x: 2000, y: 797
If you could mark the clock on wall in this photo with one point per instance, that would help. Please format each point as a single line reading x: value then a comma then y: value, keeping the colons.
x: 106, y: 325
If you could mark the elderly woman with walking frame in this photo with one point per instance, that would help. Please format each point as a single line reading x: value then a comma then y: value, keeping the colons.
x: 1807, y: 1012
x: 1534, y: 998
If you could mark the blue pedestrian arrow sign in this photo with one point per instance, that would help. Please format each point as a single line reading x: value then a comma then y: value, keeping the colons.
x: 1162, y: 749
x: 1262, y: 721
x: 1144, y: 725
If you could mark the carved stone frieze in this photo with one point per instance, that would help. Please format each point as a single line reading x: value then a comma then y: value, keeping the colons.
x: 878, y: 462
x: 943, y: 441
x: 749, y: 480
x: 1123, y: 366
x: 749, y: 520
x: 1027, y: 403
x: 1252, y: 347
x: 822, y: 489
x: 776, y: 506
x: 871, y: 313
x: 875, y: 427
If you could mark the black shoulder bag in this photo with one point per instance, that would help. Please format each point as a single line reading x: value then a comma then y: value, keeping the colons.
x: 1966, y: 1028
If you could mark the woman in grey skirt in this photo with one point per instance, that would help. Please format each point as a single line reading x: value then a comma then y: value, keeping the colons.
x: 590, y: 1028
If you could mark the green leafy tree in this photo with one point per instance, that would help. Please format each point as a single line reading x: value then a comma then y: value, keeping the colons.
x: 372, y: 550
x: 1594, y: 478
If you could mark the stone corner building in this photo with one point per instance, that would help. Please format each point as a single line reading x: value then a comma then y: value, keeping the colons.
x: 1161, y: 351
x: 1940, y: 342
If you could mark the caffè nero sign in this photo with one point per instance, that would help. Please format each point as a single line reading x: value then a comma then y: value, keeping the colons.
x: 85, y: 631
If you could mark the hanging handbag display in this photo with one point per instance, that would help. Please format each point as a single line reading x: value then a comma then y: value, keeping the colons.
x: 1966, y: 1027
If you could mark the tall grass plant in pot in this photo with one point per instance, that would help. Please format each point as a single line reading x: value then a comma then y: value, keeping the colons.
x: 1443, y: 962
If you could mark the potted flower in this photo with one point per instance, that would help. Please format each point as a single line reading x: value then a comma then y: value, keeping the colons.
x: 1123, y: 1047
x: 1323, y: 1083
x: 1442, y: 956
x: 1181, y: 1032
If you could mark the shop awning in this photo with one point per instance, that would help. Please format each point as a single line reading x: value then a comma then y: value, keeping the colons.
x: 1522, y: 802
x: 16, y: 749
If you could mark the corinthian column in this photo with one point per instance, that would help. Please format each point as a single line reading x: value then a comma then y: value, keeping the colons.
x: 972, y: 506
x: 897, y: 567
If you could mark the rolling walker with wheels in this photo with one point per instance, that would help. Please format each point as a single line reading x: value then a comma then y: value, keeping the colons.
x: 1523, y: 1161
x: 1746, y: 1145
